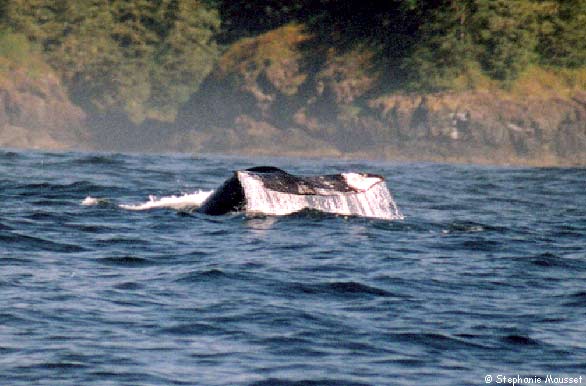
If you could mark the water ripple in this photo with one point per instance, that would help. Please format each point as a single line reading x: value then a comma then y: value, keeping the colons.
x: 484, y: 276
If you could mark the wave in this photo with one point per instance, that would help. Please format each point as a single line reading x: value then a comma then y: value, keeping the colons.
x: 306, y: 382
x: 126, y: 261
x: 96, y: 160
x: 190, y: 329
x: 343, y: 289
x: 520, y: 340
x: 4, y: 154
x: 47, y: 187
x: 435, y: 340
x: 577, y: 299
x: 29, y: 243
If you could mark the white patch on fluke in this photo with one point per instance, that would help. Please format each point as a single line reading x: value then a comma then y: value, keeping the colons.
x: 174, y: 202
x: 374, y: 202
x: 359, y: 181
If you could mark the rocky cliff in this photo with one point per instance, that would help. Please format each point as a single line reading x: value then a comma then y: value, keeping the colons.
x: 283, y: 93
x: 35, y: 111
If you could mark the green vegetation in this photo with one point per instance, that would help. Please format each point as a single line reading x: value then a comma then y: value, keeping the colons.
x: 145, y: 58
x: 426, y: 45
x: 273, y: 50
x: 14, y: 46
x: 17, y: 52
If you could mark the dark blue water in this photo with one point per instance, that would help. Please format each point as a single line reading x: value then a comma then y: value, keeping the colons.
x: 486, y: 275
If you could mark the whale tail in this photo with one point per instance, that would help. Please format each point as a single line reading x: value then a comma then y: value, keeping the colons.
x: 271, y: 191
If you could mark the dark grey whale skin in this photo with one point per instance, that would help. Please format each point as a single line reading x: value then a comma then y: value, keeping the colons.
x: 230, y: 196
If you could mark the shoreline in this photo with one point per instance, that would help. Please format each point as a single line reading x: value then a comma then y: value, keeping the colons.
x: 312, y: 155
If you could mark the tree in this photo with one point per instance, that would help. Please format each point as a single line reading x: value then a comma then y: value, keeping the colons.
x: 444, y: 46
x: 241, y: 18
x: 563, y: 38
x: 185, y: 55
x: 140, y: 57
x: 507, y: 33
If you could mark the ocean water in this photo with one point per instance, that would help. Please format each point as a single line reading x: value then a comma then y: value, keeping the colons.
x: 107, y: 277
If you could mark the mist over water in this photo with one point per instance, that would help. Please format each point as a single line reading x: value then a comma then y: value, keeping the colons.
x: 485, y: 275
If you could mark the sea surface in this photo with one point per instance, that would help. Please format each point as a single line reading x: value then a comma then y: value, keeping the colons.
x: 106, y: 280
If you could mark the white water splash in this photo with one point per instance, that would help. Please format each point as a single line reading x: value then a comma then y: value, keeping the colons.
x: 187, y: 200
x: 192, y: 200
x: 374, y: 202
x: 90, y: 201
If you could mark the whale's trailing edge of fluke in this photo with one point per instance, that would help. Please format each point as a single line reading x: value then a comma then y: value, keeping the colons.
x: 268, y: 190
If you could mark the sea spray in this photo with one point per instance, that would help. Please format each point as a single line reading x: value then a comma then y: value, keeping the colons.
x: 184, y: 201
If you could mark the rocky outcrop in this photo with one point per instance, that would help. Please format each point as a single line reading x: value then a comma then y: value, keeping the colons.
x: 487, y: 126
x: 35, y: 111
x: 282, y: 92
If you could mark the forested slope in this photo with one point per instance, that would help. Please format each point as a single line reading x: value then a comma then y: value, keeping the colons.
x: 470, y: 80
x: 35, y: 111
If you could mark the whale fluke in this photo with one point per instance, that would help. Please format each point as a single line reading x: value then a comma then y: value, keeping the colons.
x: 269, y: 190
